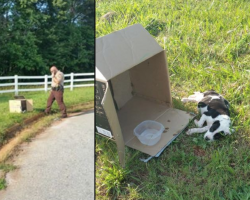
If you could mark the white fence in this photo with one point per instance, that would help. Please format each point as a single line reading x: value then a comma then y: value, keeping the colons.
x: 46, y: 82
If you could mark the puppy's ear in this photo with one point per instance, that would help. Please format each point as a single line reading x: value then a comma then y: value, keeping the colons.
x: 217, y: 136
x: 201, y: 105
x: 227, y: 103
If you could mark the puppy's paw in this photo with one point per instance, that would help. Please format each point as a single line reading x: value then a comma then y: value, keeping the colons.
x: 229, y: 132
x: 189, y: 132
x: 196, y: 122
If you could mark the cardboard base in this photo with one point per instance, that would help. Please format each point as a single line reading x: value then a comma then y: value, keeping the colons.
x: 138, y: 109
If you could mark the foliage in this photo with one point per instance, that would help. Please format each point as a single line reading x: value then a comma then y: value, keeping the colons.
x: 39, y: 33
x: 2, y: 183
x: 7, y: 167
x: 113, y: 177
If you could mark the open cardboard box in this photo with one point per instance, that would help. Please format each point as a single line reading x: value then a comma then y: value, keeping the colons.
x: 132, y: 85
x: 20, y: 104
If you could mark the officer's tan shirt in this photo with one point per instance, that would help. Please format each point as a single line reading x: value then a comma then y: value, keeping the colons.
x: 60, y: 77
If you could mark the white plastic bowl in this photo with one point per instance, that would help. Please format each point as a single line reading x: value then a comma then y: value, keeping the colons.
x: 149, y: 132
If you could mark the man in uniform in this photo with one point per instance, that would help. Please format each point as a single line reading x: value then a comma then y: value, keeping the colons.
x: 56, y: 91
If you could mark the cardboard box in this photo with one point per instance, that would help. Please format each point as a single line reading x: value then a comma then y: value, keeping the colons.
x: 20, y: 105
x: 132, y: 85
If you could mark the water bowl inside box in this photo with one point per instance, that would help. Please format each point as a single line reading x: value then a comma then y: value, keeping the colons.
x: 149, y: 132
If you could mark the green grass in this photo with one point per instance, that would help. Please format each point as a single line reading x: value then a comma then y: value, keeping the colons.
x: 71, y: 98
x: 5, y: 168
x: 207, y: 45
x: 2, y: 183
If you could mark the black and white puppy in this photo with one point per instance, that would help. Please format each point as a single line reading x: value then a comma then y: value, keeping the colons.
x: 214, y: 111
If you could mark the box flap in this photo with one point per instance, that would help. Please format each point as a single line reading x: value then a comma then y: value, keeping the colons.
x: 138, y: 110
x: 29, y: 104
x: 123, y: 49
x: 108, y: 105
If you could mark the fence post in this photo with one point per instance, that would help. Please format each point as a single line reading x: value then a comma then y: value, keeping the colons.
x: 46, y: 83
x: 71, y: 81
x: 16, y: 84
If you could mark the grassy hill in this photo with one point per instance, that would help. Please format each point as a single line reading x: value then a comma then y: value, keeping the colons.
x: 207, y: 47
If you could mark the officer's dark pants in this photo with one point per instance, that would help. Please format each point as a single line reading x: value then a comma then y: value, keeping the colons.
x: 58, y: 96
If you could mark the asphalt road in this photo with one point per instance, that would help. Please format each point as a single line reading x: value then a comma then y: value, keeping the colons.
x: 57, y: 165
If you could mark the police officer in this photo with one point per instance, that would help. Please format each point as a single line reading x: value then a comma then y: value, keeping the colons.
x: 56, y: 91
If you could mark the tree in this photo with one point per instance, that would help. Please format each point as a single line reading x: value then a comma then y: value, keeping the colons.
x: 36, y: 34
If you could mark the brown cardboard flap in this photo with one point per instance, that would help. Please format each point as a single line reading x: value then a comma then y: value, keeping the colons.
x: 121, y: 50
x: 150, y: 79
x: 29, y: 104
x: 138, y: 110
x: 110, y: 111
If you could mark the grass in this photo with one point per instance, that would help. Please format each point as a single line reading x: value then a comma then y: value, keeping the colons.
x: 5, y: 168
x: 77, y: 100
x: 71, y: 98
x: 207, y: 45
x: 2, y: 183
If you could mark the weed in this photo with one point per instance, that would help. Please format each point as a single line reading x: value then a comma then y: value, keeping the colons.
x: 2, y: 183
x: 7, y: 167
x: 114, y: 177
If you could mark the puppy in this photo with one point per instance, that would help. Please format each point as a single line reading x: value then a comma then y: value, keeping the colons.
x: 214, y: 111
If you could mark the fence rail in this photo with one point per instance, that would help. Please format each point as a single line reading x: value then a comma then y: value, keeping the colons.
x: 45, y: 83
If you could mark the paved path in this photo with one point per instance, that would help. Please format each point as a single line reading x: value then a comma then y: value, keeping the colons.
x: 57, y: 165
